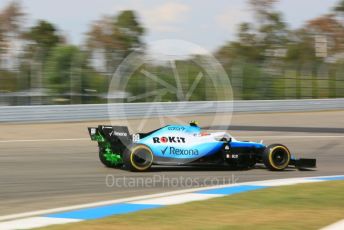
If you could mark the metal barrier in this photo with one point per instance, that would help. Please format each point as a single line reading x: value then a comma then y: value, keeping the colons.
x: 135, y: 110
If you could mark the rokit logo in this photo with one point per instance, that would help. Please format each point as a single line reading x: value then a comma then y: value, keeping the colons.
x: 176, y: 151
x: 168, y: 140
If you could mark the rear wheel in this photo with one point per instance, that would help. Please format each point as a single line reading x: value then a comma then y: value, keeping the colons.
x: 276, y: 157
x: 138, y: 158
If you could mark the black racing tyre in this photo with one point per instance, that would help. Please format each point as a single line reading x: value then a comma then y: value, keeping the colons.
x: 138, y: 158
x: 105, y: 162
x: 276, y: 157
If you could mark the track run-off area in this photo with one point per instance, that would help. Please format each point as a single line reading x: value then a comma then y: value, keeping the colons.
x: 52, y: 165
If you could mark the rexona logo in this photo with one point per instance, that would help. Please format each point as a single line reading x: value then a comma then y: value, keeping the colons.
x: 176, y: 151
x: 114, y: 133
x: 168, y: 140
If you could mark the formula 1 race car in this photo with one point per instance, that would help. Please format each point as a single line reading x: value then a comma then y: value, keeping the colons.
x: 190, y: 146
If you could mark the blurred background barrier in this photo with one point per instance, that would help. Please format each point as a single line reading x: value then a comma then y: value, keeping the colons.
x: 265, y: 59
x: 54, y: 113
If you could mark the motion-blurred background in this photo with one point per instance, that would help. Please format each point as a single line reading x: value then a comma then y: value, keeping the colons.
x: 270, y: 49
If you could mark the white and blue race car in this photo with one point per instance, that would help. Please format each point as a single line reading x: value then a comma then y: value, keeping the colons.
x: 187, y: 145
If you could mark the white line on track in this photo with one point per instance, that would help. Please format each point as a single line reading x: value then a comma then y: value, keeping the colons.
x: 88, y: 139
x: 46, y: 140
x: 294, y: 136
x: 35, y: 222
x: 336, y: 226
x: 177, y: 199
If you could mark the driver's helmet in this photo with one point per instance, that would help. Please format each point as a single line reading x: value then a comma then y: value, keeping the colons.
x: 194, y: 123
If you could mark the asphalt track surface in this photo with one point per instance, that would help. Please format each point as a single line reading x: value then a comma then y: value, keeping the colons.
x: 53, y: 165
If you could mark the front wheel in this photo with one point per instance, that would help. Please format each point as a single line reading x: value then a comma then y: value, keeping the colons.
x: 138, y: 158
x: 276, y: 157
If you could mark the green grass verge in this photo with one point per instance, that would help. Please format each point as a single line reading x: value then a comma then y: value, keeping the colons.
x: 303, y: 206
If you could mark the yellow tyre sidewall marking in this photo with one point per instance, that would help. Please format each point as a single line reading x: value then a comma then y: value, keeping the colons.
x: 132, y: 161
x: 271, y: 153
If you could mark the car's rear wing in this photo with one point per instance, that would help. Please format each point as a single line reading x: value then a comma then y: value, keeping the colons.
x: 111, y: 134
